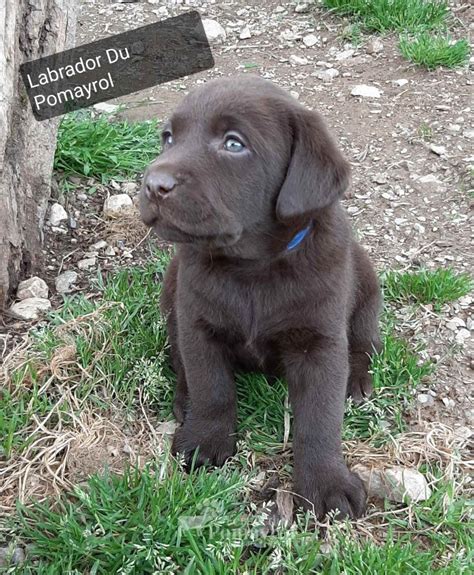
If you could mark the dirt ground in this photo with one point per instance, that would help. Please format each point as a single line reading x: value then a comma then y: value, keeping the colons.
x: 410, y: 149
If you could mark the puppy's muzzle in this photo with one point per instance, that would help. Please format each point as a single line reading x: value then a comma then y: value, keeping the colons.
x: 159, y: 184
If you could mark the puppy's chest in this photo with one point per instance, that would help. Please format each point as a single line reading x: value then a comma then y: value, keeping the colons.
x: 241, y: 316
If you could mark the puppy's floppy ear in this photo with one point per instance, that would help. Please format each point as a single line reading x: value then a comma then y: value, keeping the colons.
x: 318, y: 174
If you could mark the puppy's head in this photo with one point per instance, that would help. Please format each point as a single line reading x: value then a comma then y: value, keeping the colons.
x: 240, y: 157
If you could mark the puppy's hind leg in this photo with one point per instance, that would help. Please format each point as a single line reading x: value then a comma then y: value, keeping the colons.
x: 364, y: 333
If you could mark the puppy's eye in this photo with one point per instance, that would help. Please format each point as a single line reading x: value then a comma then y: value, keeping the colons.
x: 232, y: 144
x: 167, y: 138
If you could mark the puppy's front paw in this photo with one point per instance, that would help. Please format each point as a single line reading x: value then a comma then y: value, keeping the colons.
x: 214, y: 442
x: 359, y: 386
x: 332, y: 489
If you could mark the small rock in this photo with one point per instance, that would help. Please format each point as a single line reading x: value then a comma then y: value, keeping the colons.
x: 327, y: 75
x: 298, y: 60
x: 130, y: 188
x: 469, y: 134
x: 425, y: 399
x: 345, y: 54
x: 214, y: 31
x: 462, y: 335
x: 86, y: 263
x: 454, y: 127
x: 394, y: 483
x: 448, y: 402
x: 9, y: 557
x: 57, y: 214
x: 31, y: 307
x: 100, y: 245
x: 380, y: 179
x: 105, y: 108
x: 58, y: 230
x: 365, y: 91
x: 302, y: 8
x: 375, y: 46
x: 33, y: 287
x: 114, y: 205
x: 109, y: 251
x: 82, y: 197
x: 401, y: 82
x: 407, y: 483
x: 18, y: 556
x: 310, y: 40
x: 245, y: 33
x: 454, y: 323
x: 65, y: 281
x: 167, y: 428
x: 438, y: 150
x: 295, y: 94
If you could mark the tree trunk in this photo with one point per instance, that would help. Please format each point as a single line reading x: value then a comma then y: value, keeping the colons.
x: 29, y: 29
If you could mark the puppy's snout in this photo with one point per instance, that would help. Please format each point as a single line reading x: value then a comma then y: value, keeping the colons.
x: 159, y: 184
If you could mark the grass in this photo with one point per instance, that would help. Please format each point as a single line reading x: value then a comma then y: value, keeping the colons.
x: 414, y: 20
x: 108, y: 355
x: 353, y: 34
x: 435, y: 287
x: 433, y: 51
x: 104, y: 149
x: 388, y: 15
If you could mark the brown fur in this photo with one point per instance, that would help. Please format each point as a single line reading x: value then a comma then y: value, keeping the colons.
x: 236, y: 298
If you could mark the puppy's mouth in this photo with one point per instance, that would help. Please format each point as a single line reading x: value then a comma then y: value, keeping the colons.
x: 173, y: 233
x: 174, y: 224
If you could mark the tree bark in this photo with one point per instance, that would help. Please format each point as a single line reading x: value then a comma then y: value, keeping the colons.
x: 29, y: 29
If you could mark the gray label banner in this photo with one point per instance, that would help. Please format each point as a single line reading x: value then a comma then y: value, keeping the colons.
x: 117, y: 65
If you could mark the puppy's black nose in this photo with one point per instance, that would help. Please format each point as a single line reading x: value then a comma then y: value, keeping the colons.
x: 159, y: 184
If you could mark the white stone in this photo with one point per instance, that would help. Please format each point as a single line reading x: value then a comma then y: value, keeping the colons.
x: 245, y: 33
x: 109, y: 251
x: 105, y: 107
x: 380, y: 179
x: 394, y: 483
x: 468, y: 134
x: 365, y: 91
x: 302, y: 8
x: 57, y: 214
x: 130, y: 188
x: 33, y: 287
x: 401, y: 82
x: 214, y: 31
x: 454, y: 323
x: 462, y: 335
x: 438, y: 150
x: 405, y: 483
x: 86, y: 263
x: 65, y: 281
x: 345, y: 54
x: 31, y: 307
x: 114, y: 205
x: 298, y: 60
x: 310, y: 40
x: 425, y: 399
x: 327, y: 75
x: 100, y: 245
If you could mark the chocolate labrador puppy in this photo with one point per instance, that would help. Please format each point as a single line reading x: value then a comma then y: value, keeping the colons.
x: 267, y: 276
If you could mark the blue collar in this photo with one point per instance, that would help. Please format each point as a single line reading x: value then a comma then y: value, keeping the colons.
x: 299, y: 237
